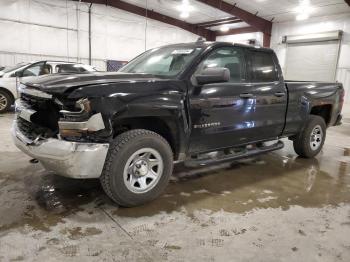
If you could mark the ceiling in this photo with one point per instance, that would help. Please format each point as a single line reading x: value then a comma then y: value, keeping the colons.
x: 283, y: 10
x: 278, y: 10
x: 200, y: 13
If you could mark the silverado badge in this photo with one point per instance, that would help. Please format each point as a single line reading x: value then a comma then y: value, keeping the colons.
x: 207, y: 125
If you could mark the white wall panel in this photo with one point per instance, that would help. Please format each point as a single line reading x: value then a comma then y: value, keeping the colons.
x: 118, y: 48
x: 343, y: 76
x: 14, y: 9
x: 38, y: 28
x: 39, y: 13
x: 242, y: 38
x: 14, y: 37
x: 344, y: 58
x: 51, y: 41
x: 317, y: 25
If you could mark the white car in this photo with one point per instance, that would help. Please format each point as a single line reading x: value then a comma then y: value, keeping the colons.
x: 11, y: 76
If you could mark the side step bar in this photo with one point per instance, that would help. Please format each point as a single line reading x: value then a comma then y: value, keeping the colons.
x: 235, y: 156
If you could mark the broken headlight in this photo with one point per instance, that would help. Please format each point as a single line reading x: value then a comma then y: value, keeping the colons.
x: 83, y: 109
x: 80, y: 122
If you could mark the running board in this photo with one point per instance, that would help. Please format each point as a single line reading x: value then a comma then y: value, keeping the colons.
x: 235, y: 156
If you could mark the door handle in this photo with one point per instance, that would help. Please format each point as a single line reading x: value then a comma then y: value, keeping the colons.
x: 280, y: 94
x: 246, y: 95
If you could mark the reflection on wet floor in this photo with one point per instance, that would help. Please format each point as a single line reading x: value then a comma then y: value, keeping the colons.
x: 278, y: 179
x: 267, y: 181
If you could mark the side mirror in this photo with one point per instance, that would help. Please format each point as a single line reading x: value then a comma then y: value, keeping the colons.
x: 213, y: 75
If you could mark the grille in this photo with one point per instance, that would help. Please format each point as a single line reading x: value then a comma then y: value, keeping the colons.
x: 30, y: 130
x: 44, y: 121
x: 35, y: 102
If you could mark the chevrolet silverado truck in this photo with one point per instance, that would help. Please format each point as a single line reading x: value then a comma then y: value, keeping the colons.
x: 199, y: 103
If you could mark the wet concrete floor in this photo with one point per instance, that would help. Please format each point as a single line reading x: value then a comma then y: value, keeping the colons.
x: 274, y: 207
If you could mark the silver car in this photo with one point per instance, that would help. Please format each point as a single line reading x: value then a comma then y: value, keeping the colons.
x: 11, y: 76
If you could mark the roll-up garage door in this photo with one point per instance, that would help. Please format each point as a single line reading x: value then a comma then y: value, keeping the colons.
x: 312, y: 60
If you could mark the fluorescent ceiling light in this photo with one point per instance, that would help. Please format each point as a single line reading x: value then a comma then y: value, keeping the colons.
x: 184, y: 14
x: 224, y: 28
x: 185, y: 8
x: 303, y: 10
x: 301, y: 17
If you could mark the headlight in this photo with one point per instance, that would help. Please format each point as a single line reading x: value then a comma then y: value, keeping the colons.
x: 79, y: 123
x: 84, y: 107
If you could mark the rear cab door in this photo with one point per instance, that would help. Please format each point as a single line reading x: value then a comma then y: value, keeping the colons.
x: 269, y: 92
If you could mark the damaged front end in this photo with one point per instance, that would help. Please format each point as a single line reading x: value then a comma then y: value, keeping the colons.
x: 67, y: 137
x: 82, y: 124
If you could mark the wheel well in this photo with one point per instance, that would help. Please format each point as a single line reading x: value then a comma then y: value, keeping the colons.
x: 161, y: 126
x: 323, y: 111
x: 9, y: 93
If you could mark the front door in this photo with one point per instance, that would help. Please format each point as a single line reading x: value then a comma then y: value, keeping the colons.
x: 232, y: 113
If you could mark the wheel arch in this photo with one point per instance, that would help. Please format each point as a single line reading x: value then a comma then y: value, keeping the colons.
x: 9, y: 93
x: 165, y: 126
x: 8, y: 96
x: 324, y: 111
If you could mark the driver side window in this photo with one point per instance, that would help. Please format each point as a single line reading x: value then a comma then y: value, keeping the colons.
x: 35, y: 70
x: 231, y: 58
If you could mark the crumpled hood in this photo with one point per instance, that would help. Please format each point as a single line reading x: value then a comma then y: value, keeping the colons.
x: 60, y: 83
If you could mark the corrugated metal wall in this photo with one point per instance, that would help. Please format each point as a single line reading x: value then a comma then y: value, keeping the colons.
x: 44, y: 29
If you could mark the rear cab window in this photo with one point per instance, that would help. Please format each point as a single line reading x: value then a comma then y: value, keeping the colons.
x: 262, y: 67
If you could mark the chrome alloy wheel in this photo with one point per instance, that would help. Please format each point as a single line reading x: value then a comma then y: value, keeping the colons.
x: 143, y: 170
x: 3, y: 102
x: 316, y: 137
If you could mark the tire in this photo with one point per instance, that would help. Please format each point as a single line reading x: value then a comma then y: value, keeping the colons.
x: 5, y: 101
x: 310, y: 140
x: 125, y: 167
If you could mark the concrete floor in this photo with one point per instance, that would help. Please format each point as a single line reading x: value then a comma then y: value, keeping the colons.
x: 275, y: 207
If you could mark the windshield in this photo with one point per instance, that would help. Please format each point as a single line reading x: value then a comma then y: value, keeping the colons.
x: 166, y: 61
x: 15, y: 67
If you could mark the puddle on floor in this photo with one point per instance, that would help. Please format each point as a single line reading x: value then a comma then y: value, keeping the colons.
x: 36, y: 198
x: 278, y: 179
x: 269, y: 181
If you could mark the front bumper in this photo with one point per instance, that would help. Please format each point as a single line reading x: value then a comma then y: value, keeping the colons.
x: 70, y: 159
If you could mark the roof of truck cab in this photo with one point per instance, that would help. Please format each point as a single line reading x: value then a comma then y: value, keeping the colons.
x: 218, y: 43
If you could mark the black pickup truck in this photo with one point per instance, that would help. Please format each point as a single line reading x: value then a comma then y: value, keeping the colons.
x: 201, y: 103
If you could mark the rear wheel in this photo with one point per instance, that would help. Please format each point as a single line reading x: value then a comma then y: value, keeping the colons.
x: 311, y: 139
x: 5, y: 101
x: 138, y: 167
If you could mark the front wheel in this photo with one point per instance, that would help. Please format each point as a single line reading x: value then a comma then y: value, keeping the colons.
x: 5, y: 101
x: 310, y: 140
x: 137, y: 168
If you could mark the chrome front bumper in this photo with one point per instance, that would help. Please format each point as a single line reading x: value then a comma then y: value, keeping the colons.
x: 70, y: 159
